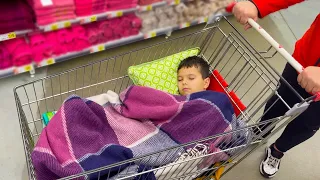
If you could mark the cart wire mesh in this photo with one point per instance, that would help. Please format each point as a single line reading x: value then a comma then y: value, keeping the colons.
x: 248, y: 75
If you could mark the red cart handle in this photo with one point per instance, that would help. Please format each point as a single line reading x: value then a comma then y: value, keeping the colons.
x: 294, y: 63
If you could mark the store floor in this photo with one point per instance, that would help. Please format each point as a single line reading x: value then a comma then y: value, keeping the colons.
x: 300, y: 163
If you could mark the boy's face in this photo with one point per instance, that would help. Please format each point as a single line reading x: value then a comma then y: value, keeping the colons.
x: 190, y: 81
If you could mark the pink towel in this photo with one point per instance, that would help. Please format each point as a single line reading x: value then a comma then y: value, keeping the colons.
x: 108, y: 34
x: 120, y: 4
x: 20, y: 51
x: 66, y: 39
x: 57, y: 10
x: 38, y: 4
x: 86, y: 7
x: 93, y: 33
x: 44, y: 20
x: 80, y: 38
x: 54, y: 11
x: 58, y: 49
x: 41, y: 48
x: 5, y: 59
x: 146, y: 2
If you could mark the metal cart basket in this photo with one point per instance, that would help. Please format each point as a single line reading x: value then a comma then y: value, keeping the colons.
x: 243, y: 68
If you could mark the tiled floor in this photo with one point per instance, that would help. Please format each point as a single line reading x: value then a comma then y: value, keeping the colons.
x: 299, y: 163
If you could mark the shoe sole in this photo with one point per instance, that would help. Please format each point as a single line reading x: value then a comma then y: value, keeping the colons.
x: 261, y: 171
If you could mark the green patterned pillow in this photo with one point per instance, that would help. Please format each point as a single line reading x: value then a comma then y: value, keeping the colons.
x: 160, y: 74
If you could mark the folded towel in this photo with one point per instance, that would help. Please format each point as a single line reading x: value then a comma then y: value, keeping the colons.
x: 5, y: 58
x: 16, y: 25
x: 146, y: 2
x: 44, y: 20
x: 84, y: 8
x: 80, y: 38
x: 16, y: 15
x: 120, y: 4
x: 41, y: 48
x: 47, y: 4
x: 15, y: 10
x: 93, y: 33
x: 54, y: 11
x: 20, y: 51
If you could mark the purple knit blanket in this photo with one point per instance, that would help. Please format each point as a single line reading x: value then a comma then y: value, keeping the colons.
x: 86, y: 134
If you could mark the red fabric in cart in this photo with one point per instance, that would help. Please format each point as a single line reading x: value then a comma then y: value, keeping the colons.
x: 218, y: 84
x: 307, y: 49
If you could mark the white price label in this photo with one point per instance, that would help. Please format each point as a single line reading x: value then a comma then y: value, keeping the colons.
x: 97, y: 49
x: 47, y: 62
x: 7, y: 36
x: 150, y: 34
x: 22, y: 69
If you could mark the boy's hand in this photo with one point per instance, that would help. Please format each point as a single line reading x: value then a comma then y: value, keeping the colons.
x: 244, y: 10
x: 309, y: 79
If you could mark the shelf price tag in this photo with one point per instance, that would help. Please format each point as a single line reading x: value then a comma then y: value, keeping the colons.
x: 97, y: 48
x: 54, y: 27
x: 203, y: 20
x: 174, y: 2
x: 115, y: 14
x: 146, y: 8
x: 47, y: 62
x: 184, y: 25
x: 93, y: 18
x: 67, y: 24
x: 22, y: 69
x: 150, y: 34
x: 88, y: 19
x: 7, y: 36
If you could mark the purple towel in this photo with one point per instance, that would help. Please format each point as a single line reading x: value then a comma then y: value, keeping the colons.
x: 87, y: 134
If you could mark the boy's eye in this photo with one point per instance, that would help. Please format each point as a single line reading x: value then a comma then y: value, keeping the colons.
x: 179, y: 80
x: 191, y: 78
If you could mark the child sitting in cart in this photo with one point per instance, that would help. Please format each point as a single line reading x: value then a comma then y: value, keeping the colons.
x: 193, y: 75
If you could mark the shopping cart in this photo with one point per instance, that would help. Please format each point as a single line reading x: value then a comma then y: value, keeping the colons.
x: 245, y: 72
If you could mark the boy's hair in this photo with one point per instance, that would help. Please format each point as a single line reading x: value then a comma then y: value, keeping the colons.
x: 197, y: 62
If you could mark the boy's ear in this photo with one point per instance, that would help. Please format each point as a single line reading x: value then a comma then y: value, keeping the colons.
x: 206, y: 82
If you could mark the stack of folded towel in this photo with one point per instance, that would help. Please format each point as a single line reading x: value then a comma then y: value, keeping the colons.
x: 146, y: 2
x: 16, y: 15
x: 5, y: 59
x: 68, y: 40
x: 112, y: 5
x: 49, y: 11
x: 113, y: 29
x: 19, y: 50
x: 158, y: 18
x: 89, y: 7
